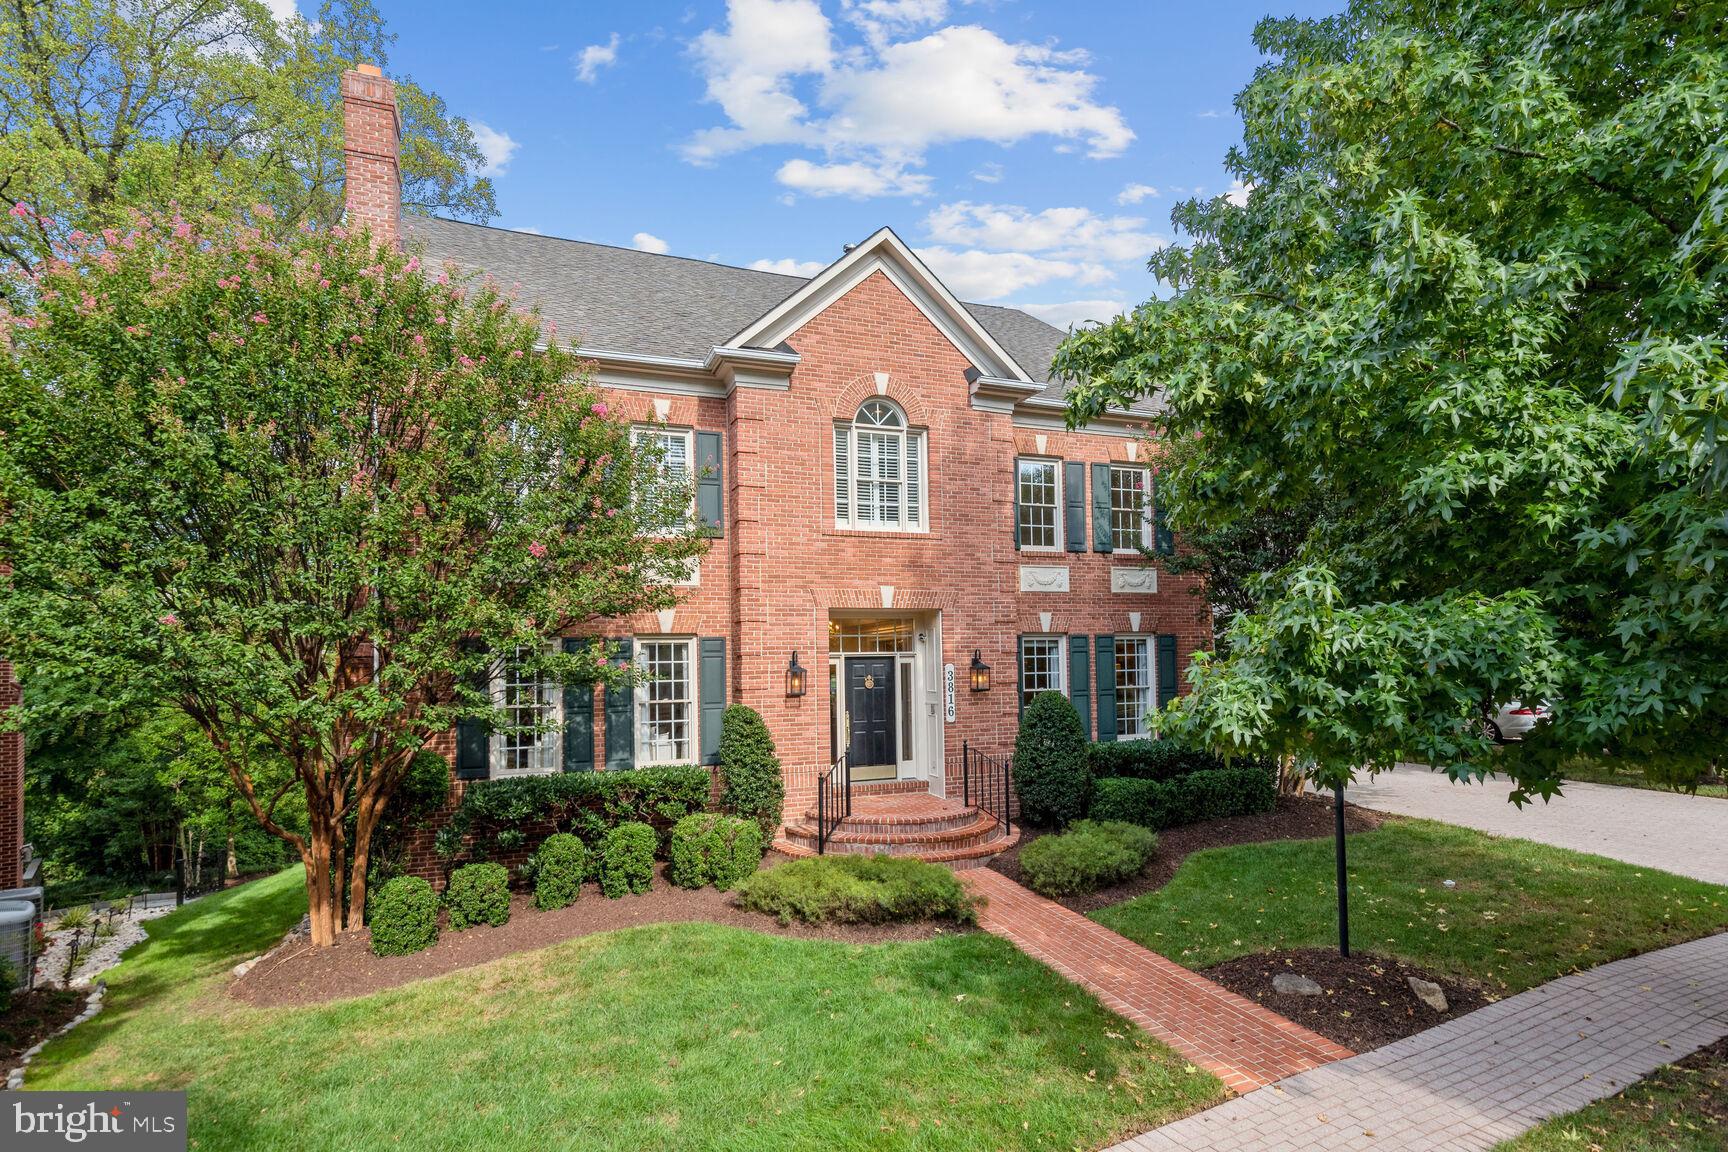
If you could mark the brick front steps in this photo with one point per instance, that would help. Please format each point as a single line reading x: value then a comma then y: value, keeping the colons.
x: 903, y: 822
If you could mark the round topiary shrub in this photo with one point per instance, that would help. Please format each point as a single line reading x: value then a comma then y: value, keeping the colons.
x: 559, y: 868
x: 751, y: 785
x: 1051, y: 774
x: 1092, y: 854
x: 708, y: 848
x: 404, y: 917
x: 627, y: 859
x: 478, y: 894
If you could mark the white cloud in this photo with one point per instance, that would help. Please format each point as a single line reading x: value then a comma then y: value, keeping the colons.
x: 789, y: 266
x: 1134, y: 193
x: 282, y: 10
x: 1209, y: 114
x: 1070, y: 313
x: 989, y: 173
x: 976, y: 275
x: 1238, y: 194
x: 496, y: 147
x: 854, y: 179
x: 1067, y: 233
x: 591, y: 59
x: 782, y: 76
x: 648, y: 242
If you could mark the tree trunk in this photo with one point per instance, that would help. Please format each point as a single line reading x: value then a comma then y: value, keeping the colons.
x: 320, y: 907
x: 231, y: 869
x: 366, y: 814
x: 1290, y: 779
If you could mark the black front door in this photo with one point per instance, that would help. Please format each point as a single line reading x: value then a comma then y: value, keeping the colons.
x: 870, y: 700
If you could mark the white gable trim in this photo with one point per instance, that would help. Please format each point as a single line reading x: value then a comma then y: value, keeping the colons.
x: 886, y: 253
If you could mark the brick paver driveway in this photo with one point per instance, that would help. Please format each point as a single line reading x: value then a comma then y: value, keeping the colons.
x: 1487, y: 1076
x: 1686, y: 835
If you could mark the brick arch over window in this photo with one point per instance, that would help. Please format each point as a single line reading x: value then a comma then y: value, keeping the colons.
x: 861, y: 388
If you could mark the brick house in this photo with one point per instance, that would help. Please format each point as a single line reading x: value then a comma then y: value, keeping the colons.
x: 893, y: 500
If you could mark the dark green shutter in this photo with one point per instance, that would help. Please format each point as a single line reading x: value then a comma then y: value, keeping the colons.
x: 1102, y: 541
x: 578, y: 716
x: 1074, y: 504
x: 711, y: 684
x: 1020, y: 672
x: 1163, y: 540
x: 1166, y: 670
x: 473, y: 746
x: 621, y: 714
x: 1016, y: 503
x: 710, y: 482
x: 1106, y: 681
x: 1080, y: 681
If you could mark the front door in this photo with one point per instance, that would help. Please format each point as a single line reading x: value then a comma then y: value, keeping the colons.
x: 870, y: 703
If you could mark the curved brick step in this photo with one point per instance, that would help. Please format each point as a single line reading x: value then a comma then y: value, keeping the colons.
x: 976, y: 856
x: 888, y: 823
x: 905, y: 840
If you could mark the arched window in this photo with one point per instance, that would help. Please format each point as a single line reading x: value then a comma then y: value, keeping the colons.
x: 879, y: 471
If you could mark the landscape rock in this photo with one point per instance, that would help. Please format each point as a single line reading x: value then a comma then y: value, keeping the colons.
x: 1429, y: 993
x: 1293, y: 985
x: 245, y: 966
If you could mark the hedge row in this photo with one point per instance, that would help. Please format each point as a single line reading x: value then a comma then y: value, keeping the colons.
x: 1188, y: 799
x: 501, y: 814
x: 1161, y: 759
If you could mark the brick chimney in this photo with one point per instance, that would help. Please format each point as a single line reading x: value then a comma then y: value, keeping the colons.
x: 372, y: 134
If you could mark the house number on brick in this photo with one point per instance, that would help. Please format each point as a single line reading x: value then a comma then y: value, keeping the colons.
x: 948, y: 692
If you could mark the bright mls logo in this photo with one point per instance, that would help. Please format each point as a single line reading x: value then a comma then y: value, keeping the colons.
x: 139, y: 1121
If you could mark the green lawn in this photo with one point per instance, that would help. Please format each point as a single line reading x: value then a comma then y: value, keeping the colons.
x: 1598, y: 771
x: 666, y: 1036
x: 1521, y: 913
x: 1674, y: 1109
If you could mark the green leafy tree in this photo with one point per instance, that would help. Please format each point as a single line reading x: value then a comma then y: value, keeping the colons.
x: 1474, y: 302
x: 312, y: 496
x: 213, y: 105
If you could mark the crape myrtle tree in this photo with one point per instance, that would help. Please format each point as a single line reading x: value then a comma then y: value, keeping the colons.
x: 1474, y: 306
x: 312, y: 495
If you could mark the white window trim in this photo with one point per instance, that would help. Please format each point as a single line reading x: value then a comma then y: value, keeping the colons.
x: 1151, y: 650
x: 693, y: 719
x: 549, y: 745
x: 1146, y: 539
x: 912, y: 440
x: 1061, y: 526
x: 1061, y: 642
x: 688, y: 435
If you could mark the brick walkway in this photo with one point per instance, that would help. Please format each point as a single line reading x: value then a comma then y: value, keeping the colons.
x: 1240, y: 1042
x: 1487, y: 1076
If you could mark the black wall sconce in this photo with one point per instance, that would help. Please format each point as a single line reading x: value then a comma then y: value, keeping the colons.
x: 797, y: 679
x: 980, y: 673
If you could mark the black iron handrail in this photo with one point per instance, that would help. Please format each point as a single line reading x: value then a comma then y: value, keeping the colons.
x: 833, y: 801
x: 988, y: 782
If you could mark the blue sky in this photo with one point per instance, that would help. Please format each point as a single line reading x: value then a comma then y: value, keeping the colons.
x: 1029, y: 149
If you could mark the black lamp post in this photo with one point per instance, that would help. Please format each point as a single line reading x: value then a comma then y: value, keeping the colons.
x: 797, y: 679
x: 980, y: 672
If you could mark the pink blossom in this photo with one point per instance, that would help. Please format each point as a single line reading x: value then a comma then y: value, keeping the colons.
x: 516, y: 353
x: 465, y: 361
x: 413, y: 264
x: 439, y: 319
x: 20, y: 210
x: 323, y: 284
x: 611, y: 512
x: 182, y: 230
x: 260, y: 318
x: 419, y: 340
x: 170, y: 620
x: 537, y: 550
x: 599, y: 410
x: 354, y: 339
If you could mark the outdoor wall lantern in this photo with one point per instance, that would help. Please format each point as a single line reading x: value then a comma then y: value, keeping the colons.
x: 797, y: 679
x: 980, y: 673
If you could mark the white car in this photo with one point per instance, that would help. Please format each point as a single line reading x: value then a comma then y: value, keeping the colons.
x: 1513, y: 720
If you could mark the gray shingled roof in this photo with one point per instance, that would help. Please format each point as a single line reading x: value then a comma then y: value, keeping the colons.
x: 622, y: 300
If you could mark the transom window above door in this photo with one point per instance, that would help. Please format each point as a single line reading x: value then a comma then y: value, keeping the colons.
x: 879, y: 470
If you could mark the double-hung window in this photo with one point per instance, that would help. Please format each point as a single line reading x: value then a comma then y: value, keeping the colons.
x: 1038, y: 503
x: 1133, y: 686
x: 668, y: 503
x: 527, y: 741
x: 665, y: 702
x: 1041, y: 667
x: 1130, y: 509
x: 879, y: 471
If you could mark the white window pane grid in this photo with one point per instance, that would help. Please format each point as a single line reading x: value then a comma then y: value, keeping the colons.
x: 879, y: 473
x: 664, y: 701
x: 1038, y: 503
x: 525, y: 744
x: 1133, y: 685
x: 1130, y: 509
x: 869, y: 637
x: 1040, y: 666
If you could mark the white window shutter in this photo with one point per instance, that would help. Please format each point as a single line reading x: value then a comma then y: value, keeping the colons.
x: 914, y: 479
x: 842, y: 475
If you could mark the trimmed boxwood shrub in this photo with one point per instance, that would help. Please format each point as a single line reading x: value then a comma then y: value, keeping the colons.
x: 627, y: 859
x: 858, y: 889
x: 478, y: 894
x: 558, y: 869
x: 750, y: 782
x: 1050, y: 772
x: 404, y: 917
x: 1163, y: 759
x: 708, y: 848
x: 1092, y: 854
x: 501, y: 814
x: 1235, y: 791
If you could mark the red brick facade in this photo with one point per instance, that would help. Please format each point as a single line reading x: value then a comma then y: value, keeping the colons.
x: 781, y: 572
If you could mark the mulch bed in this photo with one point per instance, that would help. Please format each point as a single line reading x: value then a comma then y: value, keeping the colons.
x: 1295, y: 818
x: 1711, y: 1101
x: 302, y: 975
x: 33, y: 1017
x: 1367, y: 1000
